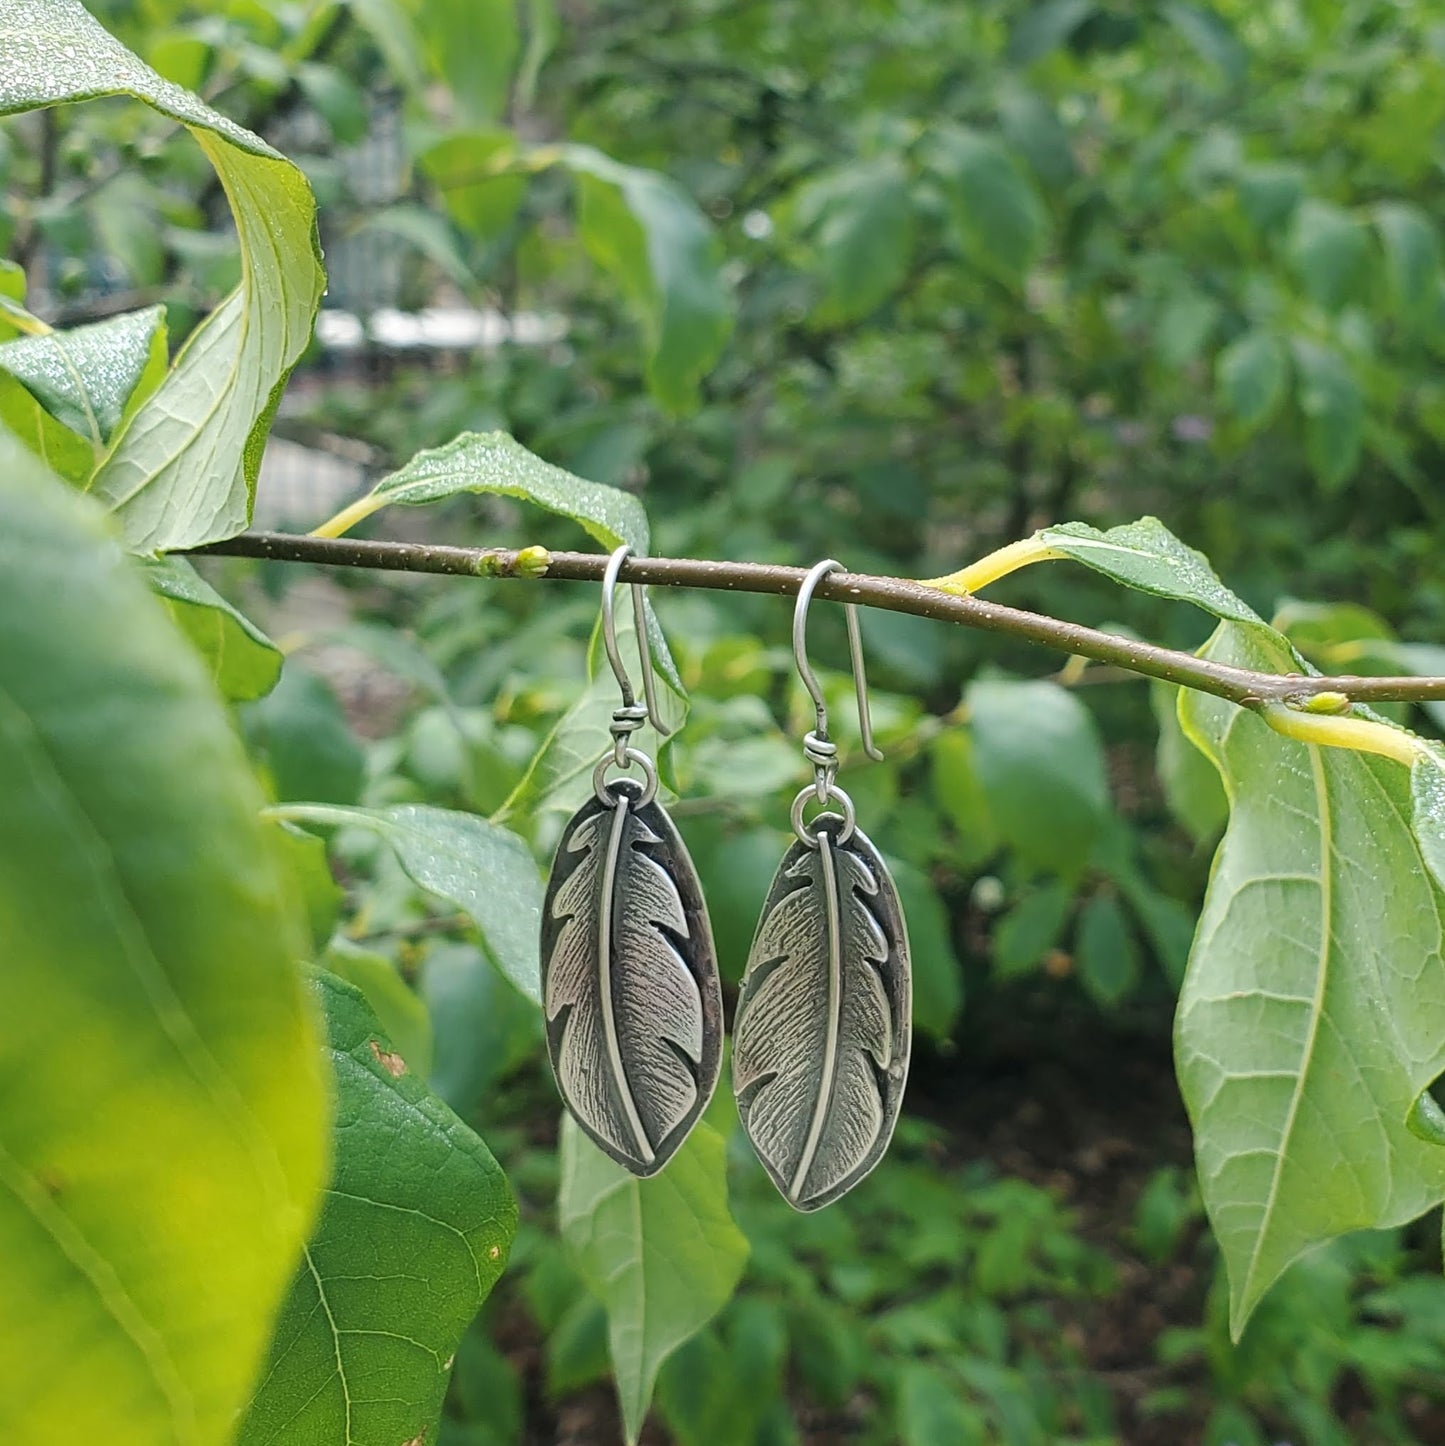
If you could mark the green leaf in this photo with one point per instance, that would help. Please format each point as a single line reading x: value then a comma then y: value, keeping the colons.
x: 301, y: 735
x: 1031, y: 928
x: 1313, y: 1013
x: 932, y: 1410
x: 472, y: 45
x: 866, y: 237
x: 1269, y: 192
x: 937, y: 974
x: 304, y: 858
x: 1044, y: 27
x: 63, y: 452
x: 1106, y: 953
x: 398, y: 1008
x: 1251, y: 374
x: 458, y: 165
x: 480, y: 867
x: 1330, y: 251
x: 1210, y: 34
x: 1147, y: 556
x: 998, y: 218
x: 414, y: 1231
x: 1042, y: 771
x: 648, y: 234
x: 1412, y: 263
x: 243, y: 662
x: 1191, y: 783
x: 1334, y: 412
x: 163, y: 1102
x: 85, y: 377
x: 425, y: 232
x: 954, y: 786
x: 182, y: 470
x: 336, y: 98
x: 495, y: 464
x: 662, y: 1255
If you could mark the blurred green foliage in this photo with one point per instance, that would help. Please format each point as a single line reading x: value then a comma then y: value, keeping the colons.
x: 898, y: 282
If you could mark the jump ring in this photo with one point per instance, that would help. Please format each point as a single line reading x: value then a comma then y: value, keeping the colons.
x: 836, y: 794
x: 634, y: 755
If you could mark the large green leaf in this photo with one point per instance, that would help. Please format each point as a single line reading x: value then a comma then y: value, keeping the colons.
x: 414, y: 1231
x: 649, y: 235
x: 472, y: 45
x: 1042, y: 770
x: 182, y: 470
x: 86, y: 377
x: 662, y: 1255
x: 1147, y: 556
x: 1330, y: 251
x: 1313, y: 1013
x: 1412, y: 263
x: 997, y: 216
x: 243, y: 661
x: 479, y: 866
x: 1251, y: 374
x: 1334, y: 411
x: 865, y: 235
x: 163, y: 1138
x: 495, y: 464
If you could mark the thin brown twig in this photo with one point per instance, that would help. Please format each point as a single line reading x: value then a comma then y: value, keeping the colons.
x: 892, y: 594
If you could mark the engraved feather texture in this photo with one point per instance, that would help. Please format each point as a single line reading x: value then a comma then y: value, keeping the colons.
x: 822, y: 1034
x: 630, y: 988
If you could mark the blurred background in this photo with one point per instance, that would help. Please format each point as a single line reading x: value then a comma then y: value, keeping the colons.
x: 896, y: 281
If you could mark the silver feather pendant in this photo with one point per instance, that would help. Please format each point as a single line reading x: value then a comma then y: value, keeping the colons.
x: 823, y: 1027
x: 629, y: 980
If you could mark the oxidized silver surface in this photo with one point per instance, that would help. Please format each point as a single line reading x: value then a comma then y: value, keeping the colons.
x: 823, y: 1026
x: 629, y: 979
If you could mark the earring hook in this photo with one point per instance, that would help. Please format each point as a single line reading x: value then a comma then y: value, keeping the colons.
x: 609, y: 640
x: 855, y: 650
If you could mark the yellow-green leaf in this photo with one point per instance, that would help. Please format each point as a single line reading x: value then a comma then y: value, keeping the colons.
x: 163, y: 1142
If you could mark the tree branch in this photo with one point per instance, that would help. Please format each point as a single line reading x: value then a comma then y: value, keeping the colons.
x: 893, y: 594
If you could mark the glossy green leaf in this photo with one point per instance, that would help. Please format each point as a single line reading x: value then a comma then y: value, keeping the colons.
x: 1106, y: 953
x: 662, y: 1255
x: 865, y: 237
x: 243, y: 662
x: 1334, y: 412
x: 303, y: 855
x: 1313, y: 1013
x: 650, y: 237
x: 1329, y: 250
x: 1042, y: 769
x: 1412, y: 263
x: 63, y: 452
x: 398, y: 1008
x: 165, y: 1114
x: 414, y: 1231
x: 493, y: 463
x: 182, y: 470
x: 480, y: 867
x: 997, y: 217
x: 1251, y: 375
x: 1147, y: 556
x: 87, y: 377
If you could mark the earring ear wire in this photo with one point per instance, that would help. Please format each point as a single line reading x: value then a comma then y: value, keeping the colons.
x: 644, y: 646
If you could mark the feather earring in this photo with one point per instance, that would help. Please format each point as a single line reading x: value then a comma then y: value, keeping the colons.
x: 629, y: 974
x: 823, y: 1027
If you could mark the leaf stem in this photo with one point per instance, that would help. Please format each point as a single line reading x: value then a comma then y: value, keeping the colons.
x: 1363, y: 735
x: 978, y: 575
x: 893, y: 594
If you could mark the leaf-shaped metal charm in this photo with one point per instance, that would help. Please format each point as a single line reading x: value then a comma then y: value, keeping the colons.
x: 629, y: 980
x: 823, y: 1027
